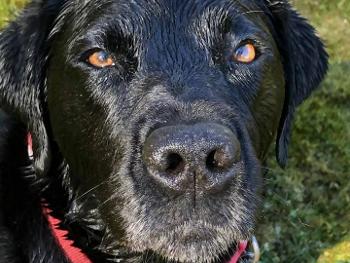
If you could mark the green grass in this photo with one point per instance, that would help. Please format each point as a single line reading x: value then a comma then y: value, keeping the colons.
x: 332, y: 20
x: 307, y: 206
x: 8, y: 8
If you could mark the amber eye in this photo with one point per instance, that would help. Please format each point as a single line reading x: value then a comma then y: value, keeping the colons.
x: 101, y: 59
x: 245, y: 53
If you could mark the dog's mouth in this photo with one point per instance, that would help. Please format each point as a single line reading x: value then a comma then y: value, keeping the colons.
x: 194, y: 242
x: 238, y: 252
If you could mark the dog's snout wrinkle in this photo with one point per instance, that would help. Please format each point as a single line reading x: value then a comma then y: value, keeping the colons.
x: 183, y: 157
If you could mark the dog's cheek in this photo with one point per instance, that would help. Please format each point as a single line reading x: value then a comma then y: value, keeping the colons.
x: 79, y: 127
x: 268, y: 104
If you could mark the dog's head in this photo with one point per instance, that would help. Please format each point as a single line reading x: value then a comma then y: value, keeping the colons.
x: 163, y: 111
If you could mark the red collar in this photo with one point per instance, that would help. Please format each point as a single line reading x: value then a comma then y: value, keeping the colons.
x: 74, y: 254
x: 241, y: 249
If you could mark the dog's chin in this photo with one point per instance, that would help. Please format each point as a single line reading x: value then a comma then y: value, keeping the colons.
x: 191, y: 242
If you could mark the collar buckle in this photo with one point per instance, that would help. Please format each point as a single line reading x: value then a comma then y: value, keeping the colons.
x: 253, y: 254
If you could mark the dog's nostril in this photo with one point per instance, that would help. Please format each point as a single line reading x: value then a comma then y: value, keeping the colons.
x: 175, y: 163
x: 201, y: 155
x: 219, y: 160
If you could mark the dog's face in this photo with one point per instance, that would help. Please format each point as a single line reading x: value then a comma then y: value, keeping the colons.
x: 164, y: 112
x: 127, y: 87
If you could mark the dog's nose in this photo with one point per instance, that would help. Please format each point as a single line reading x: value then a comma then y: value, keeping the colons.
x: 200, y: 156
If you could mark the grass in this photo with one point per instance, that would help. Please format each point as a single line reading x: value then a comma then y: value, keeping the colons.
x: 307, y: 206
x: 8, y: 8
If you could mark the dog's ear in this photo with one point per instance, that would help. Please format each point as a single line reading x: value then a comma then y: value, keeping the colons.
x: 24, y: 49
x: 305, y: 64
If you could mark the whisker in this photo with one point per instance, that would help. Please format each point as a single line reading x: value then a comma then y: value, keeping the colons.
x: 106, y: 201
x: 252, y: 12
x: 92, y: 189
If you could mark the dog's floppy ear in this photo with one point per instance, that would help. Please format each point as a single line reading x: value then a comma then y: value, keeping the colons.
x: 24, y: 51
x: 305, y: 64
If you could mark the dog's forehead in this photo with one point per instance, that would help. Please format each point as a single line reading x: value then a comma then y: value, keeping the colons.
x: 140, y: 12
x: 140, y: 19
x: 168, y: 6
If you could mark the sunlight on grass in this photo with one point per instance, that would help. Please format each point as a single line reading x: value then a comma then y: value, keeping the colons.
x: 332, y: 20
x: 339, y: 254
x: 8, y: 8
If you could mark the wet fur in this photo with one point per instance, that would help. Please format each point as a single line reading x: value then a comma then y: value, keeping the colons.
x: 88, y: 130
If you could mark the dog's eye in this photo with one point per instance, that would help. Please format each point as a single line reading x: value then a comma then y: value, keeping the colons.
x: 101, y: 59
x: 245, y: 53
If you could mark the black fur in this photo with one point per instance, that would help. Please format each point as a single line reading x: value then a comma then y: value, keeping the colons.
x: 88, y: 125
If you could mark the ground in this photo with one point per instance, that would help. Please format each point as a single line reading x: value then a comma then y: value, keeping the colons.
x: 306, y: 213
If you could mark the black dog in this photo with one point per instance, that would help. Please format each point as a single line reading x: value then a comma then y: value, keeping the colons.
x: 150, y: 121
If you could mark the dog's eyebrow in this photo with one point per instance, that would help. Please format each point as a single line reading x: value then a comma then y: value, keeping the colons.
x: 92, y: 29
x: 109, y: 38
x: 233, y: 16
